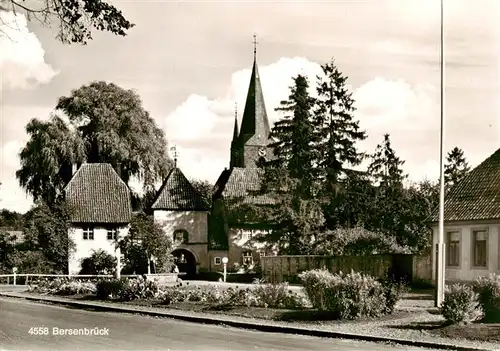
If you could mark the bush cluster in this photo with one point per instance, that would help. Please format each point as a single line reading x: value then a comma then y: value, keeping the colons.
x: 269, y: 295
x: 127, y: 289
x: 349, y: 296
x: 460, y: 305
x: 465, y: 304
x: 63, y: 286
x: 488, y: 290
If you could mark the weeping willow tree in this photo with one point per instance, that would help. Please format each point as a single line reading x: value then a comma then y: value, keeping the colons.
x: 99, y: 122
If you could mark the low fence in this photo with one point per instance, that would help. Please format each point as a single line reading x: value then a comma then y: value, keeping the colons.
x: 27, y: 278
x: 402, y: 267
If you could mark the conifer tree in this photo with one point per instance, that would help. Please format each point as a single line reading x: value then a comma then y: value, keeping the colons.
x: 337, y: 134
x: 290, y: 178
x: 385, y: 167
x: 456, y: 167
x: 388, y: 177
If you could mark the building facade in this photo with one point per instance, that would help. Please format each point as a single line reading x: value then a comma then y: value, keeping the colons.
x: 472, y: 224
x: 101, y: 212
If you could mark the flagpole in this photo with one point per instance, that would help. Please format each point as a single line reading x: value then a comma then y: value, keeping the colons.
x: 440, y: 271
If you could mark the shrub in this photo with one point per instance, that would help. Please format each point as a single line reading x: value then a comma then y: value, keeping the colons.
x: 392, y: 291
x: 460, y: 305
x: 274, y: 296
x: 100, y: 262
x: 488, y: 290
x: 278, y: 296
x: 346, y: 296
x: 139, y: 288
x: 63, y: 286
x: 109, y: 288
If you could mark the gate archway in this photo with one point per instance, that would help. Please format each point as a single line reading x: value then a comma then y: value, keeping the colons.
x: 185, y: 261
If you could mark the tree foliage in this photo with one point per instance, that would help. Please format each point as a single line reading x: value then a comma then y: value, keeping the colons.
x: 356, y: 241
x: 337, y: 134
x: 99, y: 262
x: 291, y: 177
x: 75, y: 20
x: 204, y: 188
x: 146, y: 240
x: 47, y: 230
x: 105, y: 123
x: 456, y: 167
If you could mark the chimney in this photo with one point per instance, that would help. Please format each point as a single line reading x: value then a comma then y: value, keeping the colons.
x: 74, y: 168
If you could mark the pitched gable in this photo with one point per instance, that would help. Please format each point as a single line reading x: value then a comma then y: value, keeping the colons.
x: 477, y: 196
x: 178, y: 194
x: 96, y: 194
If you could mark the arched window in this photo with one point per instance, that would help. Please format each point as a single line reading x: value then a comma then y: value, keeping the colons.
x: 181, y: 236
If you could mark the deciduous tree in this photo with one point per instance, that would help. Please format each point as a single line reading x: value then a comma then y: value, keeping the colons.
x: 75, y: 20
x: 146, y: 240
x: 105, y: 123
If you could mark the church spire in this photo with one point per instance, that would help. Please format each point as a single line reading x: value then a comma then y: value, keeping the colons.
x: 235, y: 131
x: 255, y: 128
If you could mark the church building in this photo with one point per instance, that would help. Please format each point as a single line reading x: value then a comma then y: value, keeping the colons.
x: 217, y: 232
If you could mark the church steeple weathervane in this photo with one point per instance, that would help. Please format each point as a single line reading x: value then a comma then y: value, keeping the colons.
x: 175, y: 154
x: 255, y: 42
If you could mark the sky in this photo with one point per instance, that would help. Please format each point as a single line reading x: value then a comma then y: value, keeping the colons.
x: 190, y: 63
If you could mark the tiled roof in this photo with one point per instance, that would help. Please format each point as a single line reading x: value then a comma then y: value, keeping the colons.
x: 96, y: 194
x: 243, y: 184
x: 477, y: 196
x: 177, y: 194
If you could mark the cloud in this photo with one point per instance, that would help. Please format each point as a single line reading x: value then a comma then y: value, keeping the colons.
x: 383, y: 103
x: 22, y: 59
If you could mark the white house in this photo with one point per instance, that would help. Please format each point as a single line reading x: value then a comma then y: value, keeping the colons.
x: 472, y: 224
x: 101, y: 211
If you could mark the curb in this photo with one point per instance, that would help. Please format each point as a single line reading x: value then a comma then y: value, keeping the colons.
x: 248, y: 325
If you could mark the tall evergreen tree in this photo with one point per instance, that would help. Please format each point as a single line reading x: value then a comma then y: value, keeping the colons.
x: 337, y: 134
x: 290, y: 177
x: 388, y: 177
x: 385, y: 167
x: 456, y: 167
x: 334, y: 121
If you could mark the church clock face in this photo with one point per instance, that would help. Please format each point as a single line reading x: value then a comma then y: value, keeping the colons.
x: 262, y: 152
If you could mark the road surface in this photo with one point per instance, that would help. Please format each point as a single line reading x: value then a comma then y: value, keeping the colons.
x: 133, y: 332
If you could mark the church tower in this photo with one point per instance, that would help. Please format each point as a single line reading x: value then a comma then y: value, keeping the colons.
x: 251, y: 143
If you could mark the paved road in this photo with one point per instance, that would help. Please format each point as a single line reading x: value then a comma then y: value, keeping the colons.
x: 132, y: 332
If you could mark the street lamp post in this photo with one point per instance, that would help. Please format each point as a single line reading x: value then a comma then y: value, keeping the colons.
x: 441, y: 249
x: 14, y: 271
x: 224, y: 262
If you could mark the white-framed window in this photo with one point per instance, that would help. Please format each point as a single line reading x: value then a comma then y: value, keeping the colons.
x: 247, y: 258
x: 217, y: 261
x: 480, y: 248
x: 88, y: 233
x: 112, y: 232
x: 453, y: 249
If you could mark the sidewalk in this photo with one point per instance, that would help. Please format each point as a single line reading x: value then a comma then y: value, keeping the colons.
x: 367, y: 331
